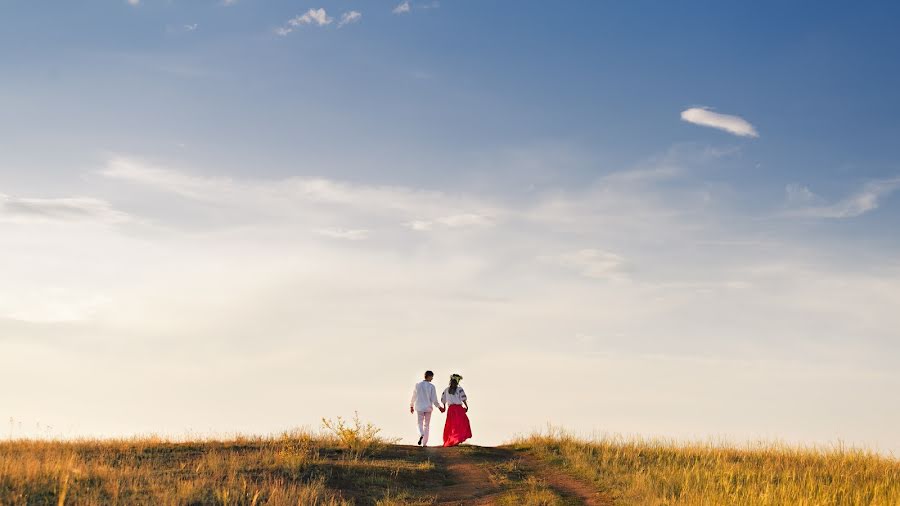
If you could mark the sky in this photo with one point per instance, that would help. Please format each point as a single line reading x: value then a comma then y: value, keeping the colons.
x: 666, y: 219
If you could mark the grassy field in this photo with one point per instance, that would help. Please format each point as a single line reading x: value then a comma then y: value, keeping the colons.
x: 633, y: 471
x: 293, y: 469
x: 351, y: 465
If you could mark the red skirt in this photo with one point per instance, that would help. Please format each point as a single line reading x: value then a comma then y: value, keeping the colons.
x: 456, y: 428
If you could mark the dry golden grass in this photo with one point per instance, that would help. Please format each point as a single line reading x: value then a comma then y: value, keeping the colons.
x: 534, y: 493
x: 669, y: 473
x: 350, y: 464
x: 293, y: 469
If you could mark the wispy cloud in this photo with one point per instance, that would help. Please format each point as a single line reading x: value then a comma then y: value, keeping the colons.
x: 191, y: 27
x: 134, y: 3
x: 805, y: 203
x: 68, y: 210
x: 402, y: 8
x: 465, y: 220
x: 317, y: 17
x: 349, y: 18
x: 312, y: 17
x: 732, y: 124
x: 293, y: 196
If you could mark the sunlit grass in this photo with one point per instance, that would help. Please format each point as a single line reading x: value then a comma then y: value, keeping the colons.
x: 338, y: 467
x: 653, y: 472
x: 154, y: 471
x: 533, y: 493
x: 293, y: 468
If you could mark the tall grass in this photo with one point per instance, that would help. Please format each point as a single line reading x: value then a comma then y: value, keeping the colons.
x: 358, y: 438
x: 293, y: 468
x: 653, y: 472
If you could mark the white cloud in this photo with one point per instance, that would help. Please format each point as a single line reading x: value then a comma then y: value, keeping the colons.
x: 421, y: 225
x: 731, y: 124
x: 191, y: 27
x: 349, y: 18
x: 69, y: 209
x: 402, y: 8
x: 229, y: 2
x: 317, y: 17
x: 303, y: 198
x: 465, y: 220
x: 857, y: 204
x: 134, y: 3
x: 312, y: 17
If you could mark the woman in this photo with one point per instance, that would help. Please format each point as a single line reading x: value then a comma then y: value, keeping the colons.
x: 456, y: 429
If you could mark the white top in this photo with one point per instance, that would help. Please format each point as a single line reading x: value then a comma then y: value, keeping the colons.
x: 424, y: 397
x: 450, y: 399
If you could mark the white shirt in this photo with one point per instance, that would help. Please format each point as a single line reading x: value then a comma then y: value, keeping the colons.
x: 424, y: 397
x: 457, y: 398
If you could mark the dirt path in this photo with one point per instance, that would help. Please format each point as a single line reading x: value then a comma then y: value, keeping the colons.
x: 566, y: 485
x: 469, y: 468
x: 472, y: 482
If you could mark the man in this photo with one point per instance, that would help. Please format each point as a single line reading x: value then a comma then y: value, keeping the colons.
x: 424, y: 400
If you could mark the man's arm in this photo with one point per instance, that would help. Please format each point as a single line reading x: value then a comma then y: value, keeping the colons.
x: 434, y: 399
x: 412, y: 401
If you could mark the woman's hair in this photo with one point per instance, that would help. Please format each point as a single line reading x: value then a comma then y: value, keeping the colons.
x: 454, y: 382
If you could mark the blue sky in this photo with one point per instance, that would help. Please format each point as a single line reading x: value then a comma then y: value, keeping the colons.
x: 198, y: 190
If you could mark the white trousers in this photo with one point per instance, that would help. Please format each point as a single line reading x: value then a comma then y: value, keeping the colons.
x: 424, y: 419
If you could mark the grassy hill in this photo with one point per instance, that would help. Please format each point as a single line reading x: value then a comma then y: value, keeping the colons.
x: 356, y: 467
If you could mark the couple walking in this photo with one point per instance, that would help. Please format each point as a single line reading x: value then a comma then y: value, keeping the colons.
x: 453, y: 401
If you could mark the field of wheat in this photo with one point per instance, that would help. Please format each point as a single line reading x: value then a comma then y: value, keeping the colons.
x: 657, y: 472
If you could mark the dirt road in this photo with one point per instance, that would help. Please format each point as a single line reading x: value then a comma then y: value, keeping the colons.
x: 485, y: 475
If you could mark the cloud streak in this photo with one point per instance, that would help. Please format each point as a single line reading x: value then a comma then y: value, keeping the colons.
x: 315, y: 17
x: 350, y: 17
x: 312, y: 17
x: 863, y: 201
x: 63, y: 210
x: 402, y: 8
x: 732, y: 124
x: 302, y: 198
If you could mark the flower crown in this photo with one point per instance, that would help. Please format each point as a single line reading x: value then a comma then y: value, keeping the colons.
x: 456, y: 377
